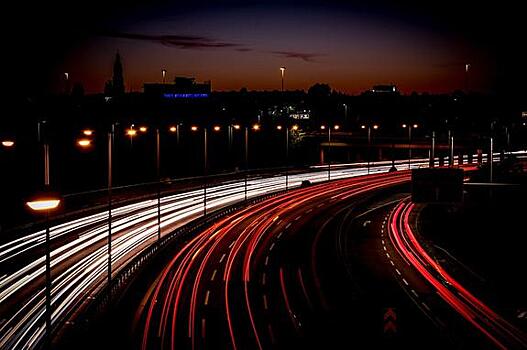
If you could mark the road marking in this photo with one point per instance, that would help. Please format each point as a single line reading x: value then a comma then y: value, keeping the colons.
x: 279, y: 222
x: 398, y: 272
x: 271, y: 247
x: 309, y: 210
x: 213, y: 274
x: 384, y: 247
x: 320, y: 205
x: 287, y: 226
x: 230, y: 245
x: 263, y: 279
x: 425, y: 306
x: 203, y: 328
x: 391, y: 262
x: 405, y: 282
x: 222, y: 257
x: 265, y: 301
x: 207, y: 297
x: 271, y: 335
x: 279, y: 235
x: 415, y: 293
x: 298, y: 217
x: 266, y: 260
x: 382, y: 240
x: 388, y: 255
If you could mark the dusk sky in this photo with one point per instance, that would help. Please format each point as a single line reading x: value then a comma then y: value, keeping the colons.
x: 349, y: 45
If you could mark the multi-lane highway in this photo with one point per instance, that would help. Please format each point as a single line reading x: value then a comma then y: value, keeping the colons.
x: 79, y: 252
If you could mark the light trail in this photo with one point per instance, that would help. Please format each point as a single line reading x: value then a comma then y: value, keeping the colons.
x: 498, y: 331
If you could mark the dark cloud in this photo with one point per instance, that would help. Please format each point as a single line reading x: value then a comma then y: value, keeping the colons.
x: 307, y: 57
x: 180, y: 41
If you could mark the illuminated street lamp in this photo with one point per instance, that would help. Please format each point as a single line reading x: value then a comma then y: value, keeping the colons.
x: 87, y: 132
x: 410, y: 127
x: 216, y: 128
x: 256, y: 127
x: 279, y: 127
x: 143, y: 128
x: 194, y: 128
x: 172, y: 129
x: 8, y: 143
x: 294, y: 127
x: 282, y: 71
x: 369, y: 127
x: 84, y: 143
x: 236, y: 126
x: 335, y: 127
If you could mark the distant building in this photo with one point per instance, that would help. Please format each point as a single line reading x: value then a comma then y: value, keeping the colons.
x: 182, y: 88
x: 384, y: 89
x: 115, y: 87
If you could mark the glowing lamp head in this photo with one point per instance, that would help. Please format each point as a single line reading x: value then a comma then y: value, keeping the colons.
x: 282, y: 69
x: 142, y: 128
x: 279, y: 127
x: 336, y: 127
x: 404, y: 125
x: 8, y: 143
x: 87, y: 132
x: 294, y: 127
x: 236, y: 126
x: 322, y: 127
x: 415, y: 126
x: 84, y: 143
x: 216, y: 128
x: 375, y: 126
x: 363, y: 126
x: 44, y: 203
x: 256, y: 127
x: 194, y: 128
x: 131, y: 132
x: 172, y: 129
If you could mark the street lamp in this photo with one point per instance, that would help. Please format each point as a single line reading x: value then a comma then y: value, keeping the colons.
x: 282, y: 71
x: 8, y: 143
x: 84, y: 143
x: 410, y: 127
x: 369, y: 127
x: 143, y: 129
x: 163, y: 74
x: 172, y: 129
x: 87, y: 132
x: 335, y: 127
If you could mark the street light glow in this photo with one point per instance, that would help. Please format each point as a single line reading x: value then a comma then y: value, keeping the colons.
x: 8, y: 143
x: 236, y: 126
x: 87, y: 132
x: 256, y: 127
x: 194, y: 128
x: 173, y: 129
x: 375, y: 126
x: 404, y: 125
x: 142, y: 128
x: 363, y: 126
x: 336, y: 127
x: 295, y: 127
x: 415, y: 126
x: 217, y: 128
x: 322, y: 127
x: 279, y: 127
x: 84, y: 142
x: 131, y: 132
x: 43, y: 204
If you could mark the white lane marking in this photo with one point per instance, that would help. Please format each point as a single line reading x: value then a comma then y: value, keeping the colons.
x: 230, y: 245
x: 388, y: 255
x: 265, y: 301
x: 425, y: 306
x: 298, y: 217
x: 266, y: 260
x: 207, y: 297
x: 213, y: 274
x: 309, y: 210
x: 398, y: 272
x: 405, y: 282
x: 271, y: 247
x: 382, y: 240
x: 279, y: 235
x: 279, y: 222
x: 384, y: 247
x: 391, y: 262
x: 263, y: 279
x: 320, y: 205
x: 287, y: 226
x: 222, y: 257
x: 415, y: 293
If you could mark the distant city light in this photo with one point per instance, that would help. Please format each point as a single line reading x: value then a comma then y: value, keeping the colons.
x: 217, y: 128
x: 143, y: 129
x: 236, y: 126
x: 256, y: 127
x: 415, y: 126
x: 295, y: 127
x: 194, y: 128
x: 131, y: 132
x: 173, y: 129
x: 8, y: 143
x: 279, y: 127
x: 87, y: 132
x: 404, y: 125
x: 336, y: 127
x: 322, y: 127
x: 171, y: 95
x: 375, y: 126
x: 363, y: 126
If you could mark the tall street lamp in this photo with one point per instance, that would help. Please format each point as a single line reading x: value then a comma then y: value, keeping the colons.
x: 45, y: 203
x: 282, y: 71
x: 410, y: 127
x: 335, y: 127
x: 369, y: 127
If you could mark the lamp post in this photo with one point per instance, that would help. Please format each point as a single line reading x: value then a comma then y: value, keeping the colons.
x: 410, y: 127
x: 335, y: 127
x: 164, y: 74
x: 294, y: 128
x: 282, y: 71
x: 369, y: 127
x: 45, y: 204
x: 158, y: 176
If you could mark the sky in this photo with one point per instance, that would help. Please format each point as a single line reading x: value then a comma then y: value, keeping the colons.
x: 350, y: 45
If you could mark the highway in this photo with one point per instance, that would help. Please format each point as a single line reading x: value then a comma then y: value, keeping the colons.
x: 79, y: 251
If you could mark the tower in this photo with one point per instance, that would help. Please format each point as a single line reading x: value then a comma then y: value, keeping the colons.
x: 117, y: 80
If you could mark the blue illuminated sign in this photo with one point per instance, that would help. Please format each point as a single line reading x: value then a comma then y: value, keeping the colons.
x: 169, y: 95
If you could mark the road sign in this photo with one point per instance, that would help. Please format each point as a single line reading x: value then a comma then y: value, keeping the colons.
x: 390, y: 321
